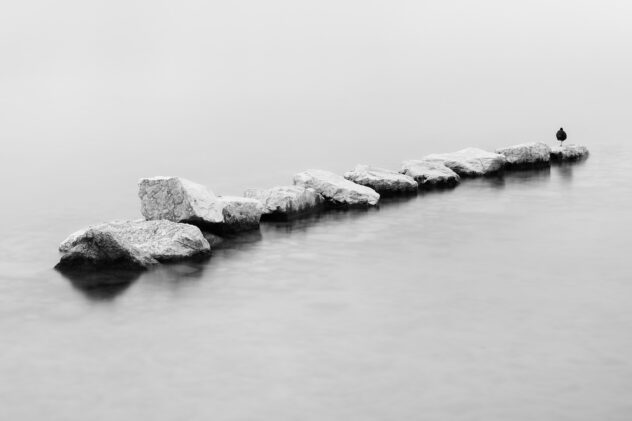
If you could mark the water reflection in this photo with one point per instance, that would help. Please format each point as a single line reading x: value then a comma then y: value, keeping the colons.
x: 101, y: 285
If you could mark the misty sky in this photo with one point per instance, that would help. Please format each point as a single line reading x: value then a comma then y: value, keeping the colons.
x: 200, y: 88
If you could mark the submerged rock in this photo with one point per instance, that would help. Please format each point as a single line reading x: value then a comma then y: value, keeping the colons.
x: 337, y: 190
x: 179, y: 200
x: 131, y: 245
x: 525, y: 155
x: 240, y: 214
x: 569, y: 152
x: 385, y: 182
x: 470, y: 162
x: 284, y: 202
x: 430, y: 174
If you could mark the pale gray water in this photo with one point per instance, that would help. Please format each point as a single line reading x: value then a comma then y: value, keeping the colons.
x: 506, y: 298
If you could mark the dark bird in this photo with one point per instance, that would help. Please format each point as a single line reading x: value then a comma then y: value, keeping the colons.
x: 561, y: 135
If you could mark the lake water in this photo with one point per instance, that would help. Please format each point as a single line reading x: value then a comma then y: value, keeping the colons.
x: 505, y: 298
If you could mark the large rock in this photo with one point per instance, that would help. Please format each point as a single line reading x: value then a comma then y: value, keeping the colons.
x: 430, y: 174
x: 337, y: 190
x: 526, y: 155
x: 569, y: 152
x: 285, y: 202
x: 385, y: 182
x: 179, y: 200
x: 131, y: 245
x: 240, y: 214
x: 470, y: 162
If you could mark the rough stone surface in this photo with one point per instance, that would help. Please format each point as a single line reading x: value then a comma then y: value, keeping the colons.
x: 286, y: 201
x: 470, y: 162
x: 337, y: 190
x: 569, y: 152
x: 430, y: 174
x: 385, y: 182
x: 535, y: 154
x: 179, y: 200
x: 240, y: 214
x: 131, y: 244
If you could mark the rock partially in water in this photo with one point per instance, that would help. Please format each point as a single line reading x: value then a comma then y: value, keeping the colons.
x: 470, y: 162
x: 569, y: 152
x: 240, y: 214
x: 286, y: 202
x: 179, y: 200
x: 430, y: 174
x: 385, y: 182
x: 527, y: 155
x: 337, y: 190
x: 131, y: 245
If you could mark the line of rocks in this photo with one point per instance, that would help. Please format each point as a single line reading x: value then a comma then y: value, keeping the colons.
x: 180, y: 215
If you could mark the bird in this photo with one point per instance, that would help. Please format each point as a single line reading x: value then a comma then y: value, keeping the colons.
x: 561, y: 135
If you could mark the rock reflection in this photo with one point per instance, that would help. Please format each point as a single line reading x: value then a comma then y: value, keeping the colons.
x: 101, y: 285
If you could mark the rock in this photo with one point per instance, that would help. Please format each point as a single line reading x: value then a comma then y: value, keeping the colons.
x: 131, y: 245
x: 179, y: 200
x: 286, y: 202
x: 569, y: 152
x: 385, y: 182
x: 430, y: 174
x: 337, y: 190
x: 470, y: 162
x: 240, y: 214
x: 527, y: 155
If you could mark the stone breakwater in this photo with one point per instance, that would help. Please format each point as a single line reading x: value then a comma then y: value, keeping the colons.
x: 180, y: 215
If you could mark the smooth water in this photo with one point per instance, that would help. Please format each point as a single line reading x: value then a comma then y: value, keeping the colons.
x: 506, y: 298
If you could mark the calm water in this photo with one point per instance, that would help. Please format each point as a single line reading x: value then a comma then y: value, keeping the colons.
x: 506, y: 298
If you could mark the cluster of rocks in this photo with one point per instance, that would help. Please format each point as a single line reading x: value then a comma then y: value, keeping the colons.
x: 181, y: 215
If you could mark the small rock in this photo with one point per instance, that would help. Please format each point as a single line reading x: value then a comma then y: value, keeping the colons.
x: 385, y: 182
x: 337, y: 190
x: 430, y: 174
x: 286, y: 202
x: 179, y: 200
x: 240, y: 214
x: 470, y: 162
x: 131, y: 245
x: 527, y: 155
x: 569, y: 152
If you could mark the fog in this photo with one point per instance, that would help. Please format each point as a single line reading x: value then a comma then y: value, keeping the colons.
x: 243, y: 94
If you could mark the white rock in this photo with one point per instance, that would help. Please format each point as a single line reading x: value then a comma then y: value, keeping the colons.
x: 286, y: 201
x: 381, y: 180
x: 569, y: 152
x: 131, y: 244
x: 527, y: 154
x: 337, y: 190
x: 430, y: 174
x: 179, y: 200
x: 240, y: 214
x: 470, y: 162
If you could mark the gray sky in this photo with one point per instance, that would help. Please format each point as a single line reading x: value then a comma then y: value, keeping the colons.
x: 243, y: 81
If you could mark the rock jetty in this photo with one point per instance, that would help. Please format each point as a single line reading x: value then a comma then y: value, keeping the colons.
x: 470, y: 162
x: 180, y: 215
x: 385, y: 182
x: 569, y: 152
x: 131, y: 245
x: 179, y: 200
x: 526, y: 155
x: 286, y: 202
x: 430, y: 174
x: 337, y: 190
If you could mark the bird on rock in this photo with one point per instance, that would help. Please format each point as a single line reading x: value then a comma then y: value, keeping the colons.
x: 561, y: 135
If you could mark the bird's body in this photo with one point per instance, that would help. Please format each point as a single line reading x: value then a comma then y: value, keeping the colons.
x: 561, y: 135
